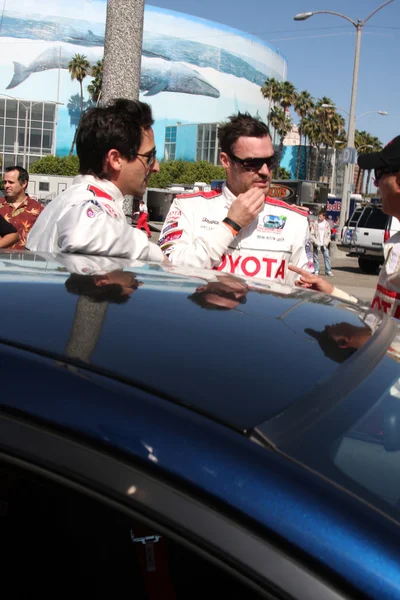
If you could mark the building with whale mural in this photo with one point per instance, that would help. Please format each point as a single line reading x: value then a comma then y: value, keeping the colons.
x: 193, y: 71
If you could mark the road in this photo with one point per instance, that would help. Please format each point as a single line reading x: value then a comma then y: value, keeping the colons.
x: 347, y: 274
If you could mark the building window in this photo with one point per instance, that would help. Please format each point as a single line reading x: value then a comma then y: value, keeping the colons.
x: 26, y: 129
x: 207, y: 143
x: 170, y: 143
x: 44, y: 186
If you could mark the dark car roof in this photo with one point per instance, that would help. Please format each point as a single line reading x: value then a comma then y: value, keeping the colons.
x: 241, y: 366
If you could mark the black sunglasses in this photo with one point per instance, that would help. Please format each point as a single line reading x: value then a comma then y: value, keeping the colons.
x: 384, y: 171
x: 254, y: 164
x: 151, y: 156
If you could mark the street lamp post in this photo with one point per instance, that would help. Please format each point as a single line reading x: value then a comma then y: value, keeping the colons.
x: 351, y: 128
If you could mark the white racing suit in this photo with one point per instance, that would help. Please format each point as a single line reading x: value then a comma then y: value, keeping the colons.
x: 193, y: 235
x: 387, y: 294
x: 88, y: 218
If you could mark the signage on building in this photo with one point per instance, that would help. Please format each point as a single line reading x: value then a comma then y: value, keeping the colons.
x: 283, y: 192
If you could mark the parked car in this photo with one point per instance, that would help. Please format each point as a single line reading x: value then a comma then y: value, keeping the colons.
x: 373, y: 228
x: 172, y: 433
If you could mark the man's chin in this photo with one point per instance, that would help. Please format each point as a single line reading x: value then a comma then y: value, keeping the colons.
x: 262, y: 186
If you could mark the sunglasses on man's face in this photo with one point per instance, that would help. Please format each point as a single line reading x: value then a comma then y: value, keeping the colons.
x: 384, y: 171
x: 151, y: 156
x: 254, y: 164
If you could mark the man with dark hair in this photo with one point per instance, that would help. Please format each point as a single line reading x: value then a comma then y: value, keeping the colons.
x: 115, y: 287
x: 386, y: 164
x: 116, y: 151
x: 239, y: 229
x: 8, y: 234
x: 17, y: 207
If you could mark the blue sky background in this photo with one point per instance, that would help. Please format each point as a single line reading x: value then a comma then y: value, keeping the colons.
x: 320, y: 51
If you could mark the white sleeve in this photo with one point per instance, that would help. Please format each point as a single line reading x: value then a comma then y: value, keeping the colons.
x: 177, y: 239
x: 88, y: 229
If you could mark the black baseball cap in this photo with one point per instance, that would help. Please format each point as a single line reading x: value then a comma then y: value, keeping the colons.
x: 388, y: 157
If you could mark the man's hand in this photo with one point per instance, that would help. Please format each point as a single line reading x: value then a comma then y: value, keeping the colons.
x: 246, y: 207
x: 309, y: 281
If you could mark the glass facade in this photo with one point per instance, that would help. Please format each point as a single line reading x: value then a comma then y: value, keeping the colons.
x: 170, y: 143
x: 207, y: 143
x: 27, y: 131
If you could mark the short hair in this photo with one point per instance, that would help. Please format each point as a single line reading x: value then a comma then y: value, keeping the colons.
x: 84, y: 285
x: 23, y: 175
x: 118, y: 125
x: 240, y: 125
x: 329, y: 347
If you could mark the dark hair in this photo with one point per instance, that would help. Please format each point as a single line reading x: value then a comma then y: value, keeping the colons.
x: 118, y: 125
x: 200, y: 299
x: 23, y: 175
x: 84, y: 285
x: 242, y: 124
x: 329, y: 347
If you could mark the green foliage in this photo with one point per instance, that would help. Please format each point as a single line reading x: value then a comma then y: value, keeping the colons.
x: 284, y: 173
x: 180, y: 171
x: 56, y: 165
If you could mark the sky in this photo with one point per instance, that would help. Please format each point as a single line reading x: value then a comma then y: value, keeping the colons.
x: 320, y: 51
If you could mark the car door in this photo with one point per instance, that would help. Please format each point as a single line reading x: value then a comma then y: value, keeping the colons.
x: 77, y: 521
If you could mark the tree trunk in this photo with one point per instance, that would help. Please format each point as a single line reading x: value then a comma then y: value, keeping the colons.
x: 358, y: 181
x: 298, y: 160
x: 73, y: 141
x: 269, y: 110
x: 367, y: 184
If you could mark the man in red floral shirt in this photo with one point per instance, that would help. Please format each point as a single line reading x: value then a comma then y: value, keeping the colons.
x: 17, y: 207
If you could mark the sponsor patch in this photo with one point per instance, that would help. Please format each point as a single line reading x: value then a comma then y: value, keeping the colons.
x: 209, y: 221
x: 90, y: 213
x: 99, y: 192
x: 93, y: 202
x: 171, y: 226
x: 110, y: 210
x: 274, y: 222
x: 174, y: 235
x: 173, y: 215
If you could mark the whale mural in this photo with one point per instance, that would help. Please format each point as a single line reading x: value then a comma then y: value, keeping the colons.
x: 221, y: 69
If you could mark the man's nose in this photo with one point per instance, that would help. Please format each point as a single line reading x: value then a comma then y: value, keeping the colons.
x: 156, y: 167
x: 264, y: 170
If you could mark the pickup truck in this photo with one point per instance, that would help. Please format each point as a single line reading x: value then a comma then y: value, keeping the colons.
x: 373, y: 229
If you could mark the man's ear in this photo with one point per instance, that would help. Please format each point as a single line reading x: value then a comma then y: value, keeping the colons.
x: 225, y: 160
x: 113, y: 160
x: 100, y: 280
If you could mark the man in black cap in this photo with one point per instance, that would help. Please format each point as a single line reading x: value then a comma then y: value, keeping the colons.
x: 386, y: 165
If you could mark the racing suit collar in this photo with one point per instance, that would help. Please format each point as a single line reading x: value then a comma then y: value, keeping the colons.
x: 104, y: 184
x: 228, y: 195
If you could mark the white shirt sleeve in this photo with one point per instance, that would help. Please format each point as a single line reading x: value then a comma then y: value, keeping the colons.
x: 89, y: 229
x: 183, y: 248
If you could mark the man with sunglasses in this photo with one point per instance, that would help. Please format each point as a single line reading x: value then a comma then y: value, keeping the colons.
x: 386, y: 165
x: 239, y: 229
x: 115, y: 146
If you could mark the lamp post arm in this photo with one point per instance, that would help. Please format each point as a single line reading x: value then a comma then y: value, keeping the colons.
x: 330, y: 12
x: 376, y: 10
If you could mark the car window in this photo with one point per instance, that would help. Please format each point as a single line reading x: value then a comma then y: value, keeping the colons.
x: 373, y: 218
x: 369, y: 452
x: 59, y: 540
x: 354, y: 218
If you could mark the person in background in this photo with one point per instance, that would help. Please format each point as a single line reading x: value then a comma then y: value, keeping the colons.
x: 321, y: 239
x: 143, y: 218
x: 17, y: 207
x: 8, y: 234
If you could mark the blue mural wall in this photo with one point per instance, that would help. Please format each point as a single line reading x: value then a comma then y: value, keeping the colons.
x: 193, y: 70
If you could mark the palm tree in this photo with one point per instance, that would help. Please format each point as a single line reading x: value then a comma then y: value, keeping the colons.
x: 282, y: 124
x: 271, y: 91
x: 303, y: 105
x: 361, y: 141
x: 94, y: 88
x: 79, y: 67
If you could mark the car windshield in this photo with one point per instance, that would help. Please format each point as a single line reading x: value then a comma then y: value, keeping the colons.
x: 358, y: 443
